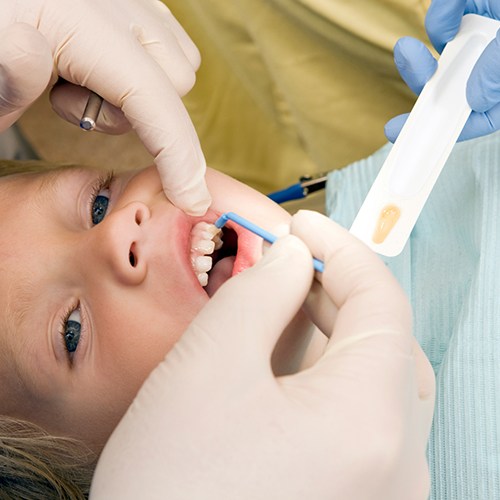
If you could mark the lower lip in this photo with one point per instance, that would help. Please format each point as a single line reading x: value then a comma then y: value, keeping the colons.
x: 249, y: 249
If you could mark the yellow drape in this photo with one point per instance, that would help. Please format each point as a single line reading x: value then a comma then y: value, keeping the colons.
x: 288, y: 87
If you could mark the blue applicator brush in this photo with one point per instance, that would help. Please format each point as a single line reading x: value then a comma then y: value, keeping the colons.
x: 265, y: 235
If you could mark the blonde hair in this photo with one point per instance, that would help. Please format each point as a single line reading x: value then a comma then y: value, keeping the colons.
x: 36, y: 465
x: 33, y: 463
x: 12, y: 167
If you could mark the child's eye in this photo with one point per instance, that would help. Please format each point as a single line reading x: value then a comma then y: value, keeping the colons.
x: 99, y: 200
x: 99, y: 208
x: 72, y: 327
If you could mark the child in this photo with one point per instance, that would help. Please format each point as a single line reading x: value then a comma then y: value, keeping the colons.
x: 101, y: 274
x: 115, y: 277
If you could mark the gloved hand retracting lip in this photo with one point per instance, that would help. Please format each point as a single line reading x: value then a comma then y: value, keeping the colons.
x: 164, y: 61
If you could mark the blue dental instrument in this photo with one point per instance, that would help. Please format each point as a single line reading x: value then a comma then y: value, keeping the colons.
x: 307, y: 184
x: 265, y: 235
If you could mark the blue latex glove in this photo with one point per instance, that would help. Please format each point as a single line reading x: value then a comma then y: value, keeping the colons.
x: 416, y: 65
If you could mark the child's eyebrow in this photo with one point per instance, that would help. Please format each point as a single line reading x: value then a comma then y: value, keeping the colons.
x: 48, y: 187
x: 58, y: 181
x: 20, y: 300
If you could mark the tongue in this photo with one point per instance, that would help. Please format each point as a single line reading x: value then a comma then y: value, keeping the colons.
x: 219, y: 274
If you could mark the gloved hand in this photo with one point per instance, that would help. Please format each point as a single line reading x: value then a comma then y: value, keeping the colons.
x: 131, y: 52
x: 416, y: 65
x: 213, y: 422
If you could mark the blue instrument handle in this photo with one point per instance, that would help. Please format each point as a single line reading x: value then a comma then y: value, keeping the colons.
x: 266, y: 235
x: 293, y: 192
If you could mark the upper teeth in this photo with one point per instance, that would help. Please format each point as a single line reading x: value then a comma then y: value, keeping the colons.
x: 205, y: 238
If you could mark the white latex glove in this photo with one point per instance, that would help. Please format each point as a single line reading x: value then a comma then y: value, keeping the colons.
x: 213, y: 422
x: 131, y: 52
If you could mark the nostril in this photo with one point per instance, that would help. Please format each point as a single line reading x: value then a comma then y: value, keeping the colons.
x: 140, y: 215
x: 132, y: 259
x: 141, y: 212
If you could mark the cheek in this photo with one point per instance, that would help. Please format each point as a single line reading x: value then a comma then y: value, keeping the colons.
x: 126, y: 350
x: 128, y: 347
x: 134, y: 335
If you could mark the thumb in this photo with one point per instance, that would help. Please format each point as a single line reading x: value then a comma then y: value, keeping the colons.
x: 415, y: 63
x: 393, y: 127
x: 249, y: 312
x: 479, y: 124
x: 25, y: 68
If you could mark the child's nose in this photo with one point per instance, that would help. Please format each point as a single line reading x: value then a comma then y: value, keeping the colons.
x: 118, y: 241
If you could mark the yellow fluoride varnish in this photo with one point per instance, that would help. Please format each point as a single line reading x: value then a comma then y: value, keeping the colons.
x: 386, y: 221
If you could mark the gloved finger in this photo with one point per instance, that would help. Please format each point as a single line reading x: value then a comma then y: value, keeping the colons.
x: 186, y: 44
x: 318, y: 305
x: 365, y: 292
x: 393, y: 127
x: 415, y: 63
x: 25, y: 67
x: 483, y: 86
x: 480, y: 124
x: 370, y: 352
x: 69, y: 101
x: 320, y: 308
x: 163, y: 47
x: 443, y: 20
x: 247, y: 315
x: 180, y: 162
x: 152, y: 106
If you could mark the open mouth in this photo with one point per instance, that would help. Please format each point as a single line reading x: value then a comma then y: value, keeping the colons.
x: 213, y: 255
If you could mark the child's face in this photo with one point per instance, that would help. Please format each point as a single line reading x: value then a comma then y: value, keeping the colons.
x: 87, y: 311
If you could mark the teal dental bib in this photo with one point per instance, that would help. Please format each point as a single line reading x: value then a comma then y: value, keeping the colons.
x: 450, y: 269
